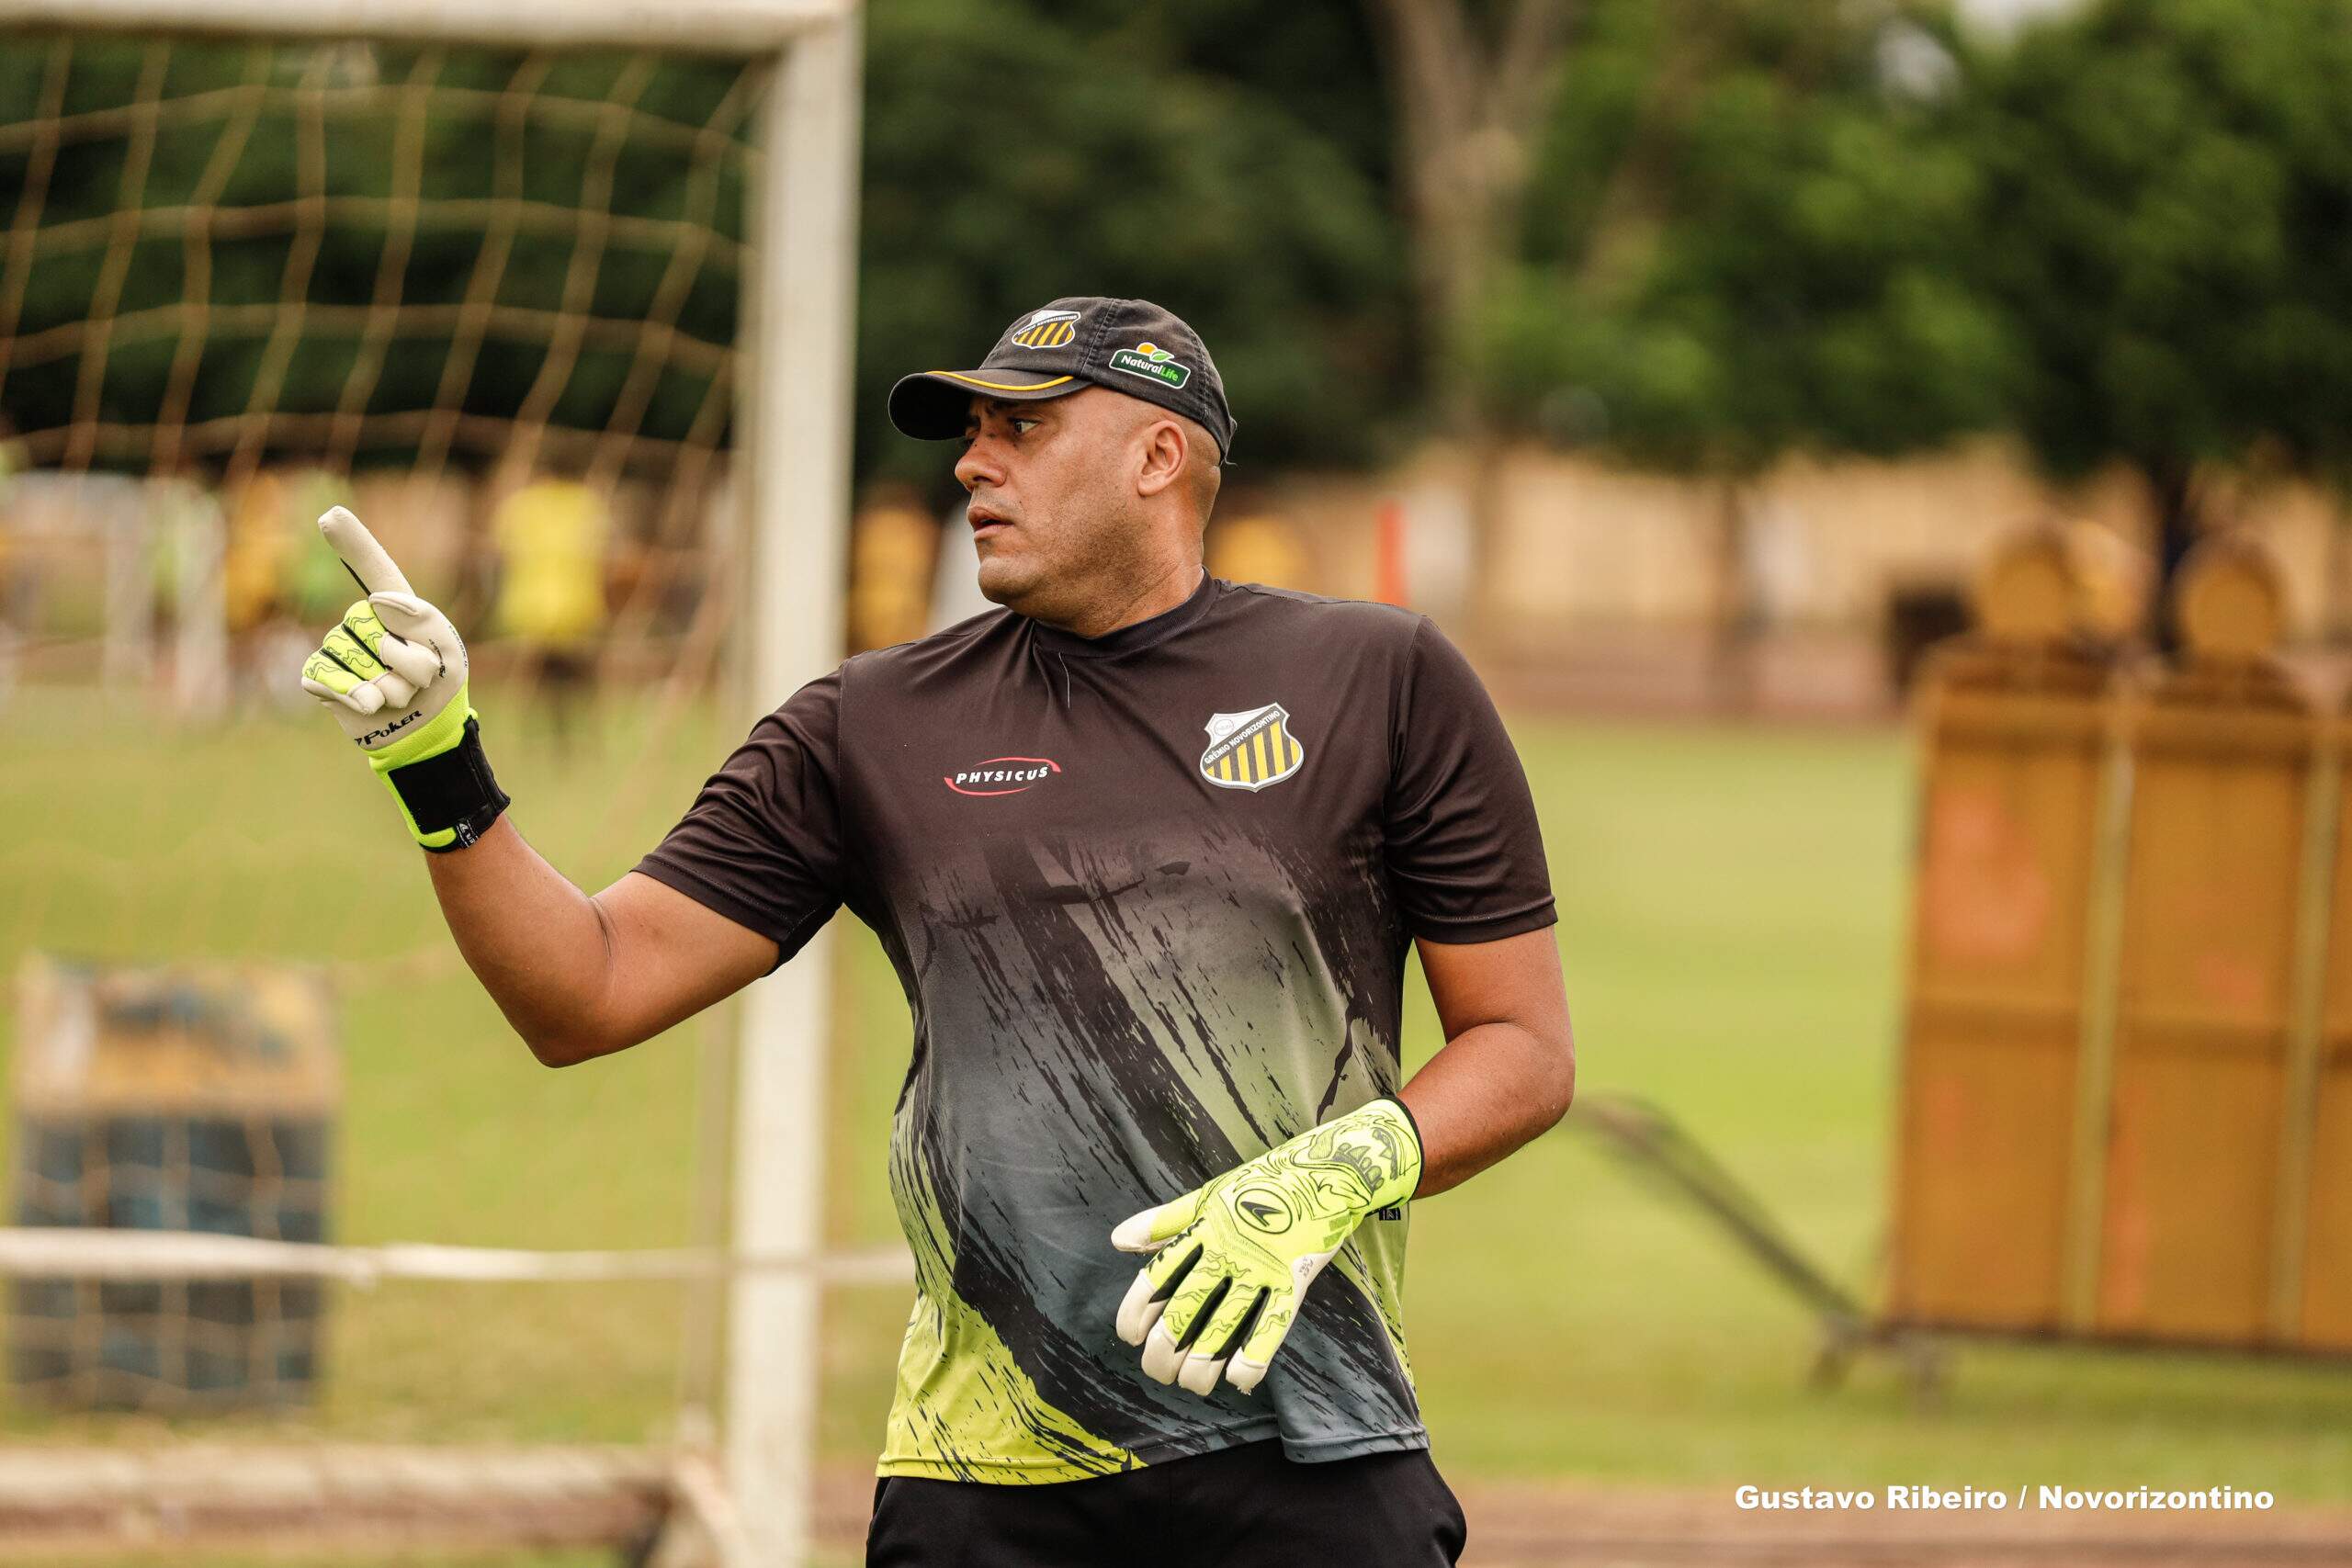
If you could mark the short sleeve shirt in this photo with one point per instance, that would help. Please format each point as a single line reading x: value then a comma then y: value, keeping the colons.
x: 1150, y: 896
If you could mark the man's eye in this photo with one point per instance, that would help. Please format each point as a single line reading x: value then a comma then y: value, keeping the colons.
x: 1026, y: 425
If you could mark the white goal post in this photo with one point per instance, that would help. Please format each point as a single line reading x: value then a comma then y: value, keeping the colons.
x: 791, y: 466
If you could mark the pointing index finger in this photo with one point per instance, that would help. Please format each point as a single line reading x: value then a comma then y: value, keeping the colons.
x: 360, y: 553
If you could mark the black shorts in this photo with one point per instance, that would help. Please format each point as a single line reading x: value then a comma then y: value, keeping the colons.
x: 1239, y: 1507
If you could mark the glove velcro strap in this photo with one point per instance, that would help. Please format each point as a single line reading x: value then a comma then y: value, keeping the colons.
x: 1404, y: 1176
x: 1412, y: 1125
x: 450, y: 798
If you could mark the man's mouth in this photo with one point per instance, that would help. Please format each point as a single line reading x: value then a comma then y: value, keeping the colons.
x: 984, y: 521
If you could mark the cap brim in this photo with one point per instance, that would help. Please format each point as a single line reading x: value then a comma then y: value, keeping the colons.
x: 936, y: 405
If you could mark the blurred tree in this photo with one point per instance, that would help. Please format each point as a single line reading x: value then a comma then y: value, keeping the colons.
x: 1769, y: 260
x: 1472, y: 81
x: 1319, y: 62
x: 2168, y: 218
x: 1014, y: 155
x: 1746, y: 239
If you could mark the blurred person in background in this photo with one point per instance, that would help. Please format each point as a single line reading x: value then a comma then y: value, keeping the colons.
x: 256, y: 584
x: 892, y: 545
x: 550, y: 534
x: 1149, y: 850
x: 15, y: 584
x: 254, y: 564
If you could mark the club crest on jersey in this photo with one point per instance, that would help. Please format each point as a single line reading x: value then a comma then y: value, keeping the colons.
x: 1249, y: 751
x: 1047, y: 329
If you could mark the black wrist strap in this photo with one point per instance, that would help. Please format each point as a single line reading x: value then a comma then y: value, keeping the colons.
x: 1415, y: 1124
x: 454, y: 790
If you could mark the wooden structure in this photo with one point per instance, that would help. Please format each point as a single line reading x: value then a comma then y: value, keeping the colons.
x: 2015, y: 733
x: 2180, y: 1200
x: 2125, y: 1109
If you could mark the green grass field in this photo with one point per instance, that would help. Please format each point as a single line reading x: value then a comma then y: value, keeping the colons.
x: 1733, y: 915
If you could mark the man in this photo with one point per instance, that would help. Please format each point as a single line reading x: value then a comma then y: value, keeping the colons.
x: 1146, y: 849
x: 552, y: 533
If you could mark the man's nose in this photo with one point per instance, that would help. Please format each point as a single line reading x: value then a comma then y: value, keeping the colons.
x: 979, y: 465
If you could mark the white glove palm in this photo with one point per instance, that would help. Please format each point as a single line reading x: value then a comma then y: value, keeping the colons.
x: 395, y: 664
x: 393, y: 673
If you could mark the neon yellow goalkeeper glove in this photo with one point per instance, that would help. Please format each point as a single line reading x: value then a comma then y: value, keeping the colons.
x: 393, y: 673
x: 1232, y: 1259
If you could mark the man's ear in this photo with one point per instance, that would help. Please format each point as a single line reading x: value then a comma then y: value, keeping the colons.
x: 1163, y: 457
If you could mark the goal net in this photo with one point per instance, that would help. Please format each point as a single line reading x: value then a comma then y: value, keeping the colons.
x: 559, y: 303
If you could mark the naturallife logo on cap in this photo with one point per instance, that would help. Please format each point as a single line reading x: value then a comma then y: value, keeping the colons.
x: 1149, y: 359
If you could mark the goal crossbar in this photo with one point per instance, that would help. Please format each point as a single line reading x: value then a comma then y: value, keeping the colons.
x: 707, y: 27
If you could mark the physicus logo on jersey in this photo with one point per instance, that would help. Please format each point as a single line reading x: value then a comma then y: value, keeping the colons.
x: 1047, y: 329
x: 1249, y: 751
x: 1002, y: 775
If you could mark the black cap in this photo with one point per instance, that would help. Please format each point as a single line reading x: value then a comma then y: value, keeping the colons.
x: 1129, y: 346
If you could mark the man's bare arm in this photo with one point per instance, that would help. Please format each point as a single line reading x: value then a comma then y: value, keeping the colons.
x: 581, y: 976
x: 576, y: 976
x: 1508, y: 1068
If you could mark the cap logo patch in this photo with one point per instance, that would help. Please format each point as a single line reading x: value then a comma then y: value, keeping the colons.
x: 1249, y: 751
x: 1047, y: 329
x: 1149, y: 359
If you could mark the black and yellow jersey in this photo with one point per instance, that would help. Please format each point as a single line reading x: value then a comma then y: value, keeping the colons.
x: 1150, y: 896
